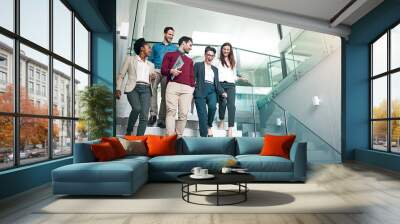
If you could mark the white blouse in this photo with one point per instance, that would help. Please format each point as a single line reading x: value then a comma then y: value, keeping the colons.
x: 143, y: 71
x: 226, y: 74
x: 209, y: 74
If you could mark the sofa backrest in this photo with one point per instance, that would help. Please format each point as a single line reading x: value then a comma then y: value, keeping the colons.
x: 249, y: 145
x: 83, y: 152
x: 199, y: 145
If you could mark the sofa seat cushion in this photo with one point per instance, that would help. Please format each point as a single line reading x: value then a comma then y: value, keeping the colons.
x: 185, y: 163
x: 257, y: 163
x: 112, y: 171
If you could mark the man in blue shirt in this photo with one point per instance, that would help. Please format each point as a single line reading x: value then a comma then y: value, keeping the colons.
x: 158, y: 52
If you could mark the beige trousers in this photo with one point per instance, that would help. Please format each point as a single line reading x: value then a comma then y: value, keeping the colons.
x: 179, y: 96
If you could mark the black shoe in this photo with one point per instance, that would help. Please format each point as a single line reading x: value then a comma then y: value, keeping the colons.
x: 160, y: 124
x: 152, y: 120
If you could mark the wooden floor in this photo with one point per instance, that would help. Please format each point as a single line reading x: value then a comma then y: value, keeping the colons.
x: 378, y: 189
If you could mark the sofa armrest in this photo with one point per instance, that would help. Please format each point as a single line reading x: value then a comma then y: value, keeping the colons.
x: 83, y: 152
x: 298, y: 155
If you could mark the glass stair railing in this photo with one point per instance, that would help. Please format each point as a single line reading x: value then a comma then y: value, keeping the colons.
x: 277, y: 120
x: 302, y: 51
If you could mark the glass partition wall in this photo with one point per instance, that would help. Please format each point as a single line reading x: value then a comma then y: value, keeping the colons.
x: 40, y: 57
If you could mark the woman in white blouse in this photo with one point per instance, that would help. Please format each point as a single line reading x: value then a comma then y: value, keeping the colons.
x: 227, y: 78
x: 138, y: 87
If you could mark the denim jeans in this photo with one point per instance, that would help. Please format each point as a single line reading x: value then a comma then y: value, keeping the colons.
x: 139, y: 99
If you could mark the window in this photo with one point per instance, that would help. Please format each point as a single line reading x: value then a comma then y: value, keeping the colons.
x: 3, y: 61
x: 44, y: 91
x: 3, y: 72
x: 62, y: 78
x: 35, y: 21
x: 6, y: 73
x: 385, y: 92
x: 45, y: 131
x: 7, y: 142
x: 33, y: 148
x: 3, y: 78
x: 395, y: 47
x: 30, y: 72
x: 37, y: 89
x: 30, y: 87
x: 62, y: 140
x: 81, y: 45
x: 44, y: 77
x: 81, y: 81
x: 7, y: 14
x: 62, y: 29
x: 37, y: 75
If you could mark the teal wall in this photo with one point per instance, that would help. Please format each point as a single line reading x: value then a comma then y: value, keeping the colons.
x: 27, y: 177
x: 99, y: 16
x: 103, y: 64
x: 356, y: 85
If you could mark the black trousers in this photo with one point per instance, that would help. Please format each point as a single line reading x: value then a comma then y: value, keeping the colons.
x: 228, y: 102
x: 139, y: 99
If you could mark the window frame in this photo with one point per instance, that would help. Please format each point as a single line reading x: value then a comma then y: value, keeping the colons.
x: 15, y: 72
x: 388, y: 74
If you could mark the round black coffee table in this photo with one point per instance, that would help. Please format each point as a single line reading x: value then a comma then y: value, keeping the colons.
x: 238, y: 179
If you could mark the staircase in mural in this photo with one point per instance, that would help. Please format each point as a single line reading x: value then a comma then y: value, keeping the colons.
x: 266, y: 76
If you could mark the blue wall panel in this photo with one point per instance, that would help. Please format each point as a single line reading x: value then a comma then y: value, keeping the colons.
x: 356, y: 76
x: 357, y: 98
x: 24, y: 178
x: 103, y: 58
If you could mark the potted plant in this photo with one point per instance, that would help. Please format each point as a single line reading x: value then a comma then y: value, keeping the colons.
x: 96, y: 102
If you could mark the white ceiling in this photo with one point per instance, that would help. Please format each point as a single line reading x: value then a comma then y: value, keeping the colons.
x: 319, y: 9
x: 305, y: 14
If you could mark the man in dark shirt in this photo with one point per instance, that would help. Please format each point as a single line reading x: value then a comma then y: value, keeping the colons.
x: 180, y: 87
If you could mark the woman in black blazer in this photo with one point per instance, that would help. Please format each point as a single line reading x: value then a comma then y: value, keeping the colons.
x: 206, y: 91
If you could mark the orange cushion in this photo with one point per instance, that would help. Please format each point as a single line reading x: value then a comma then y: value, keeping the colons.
x: 116, y: 145
x: 161, y: 145
x: 277, y: 145
x: 134, y: 137
x: 103, y: 152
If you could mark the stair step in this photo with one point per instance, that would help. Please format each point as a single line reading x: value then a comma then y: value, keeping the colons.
x: 191, y: 132
x: 162, y: 131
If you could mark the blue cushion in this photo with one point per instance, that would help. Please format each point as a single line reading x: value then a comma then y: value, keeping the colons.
x: 83, y: 153
x: 185, y: 163
x: 198, y: 146
x: 257, y: 163
x: 248, y: 145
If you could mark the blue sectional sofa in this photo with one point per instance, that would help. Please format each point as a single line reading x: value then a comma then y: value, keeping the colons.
x: 125, y: 176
